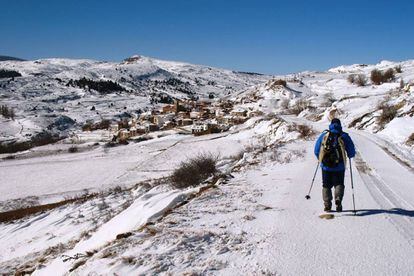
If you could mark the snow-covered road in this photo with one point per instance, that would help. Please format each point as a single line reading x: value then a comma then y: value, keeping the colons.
x: 260, y: 223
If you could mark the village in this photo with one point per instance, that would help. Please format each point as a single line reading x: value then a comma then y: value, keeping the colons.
x: 196, y: 117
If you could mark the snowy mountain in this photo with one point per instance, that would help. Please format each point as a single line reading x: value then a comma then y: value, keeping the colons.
x: 68, y: 92
x: 105, y: 210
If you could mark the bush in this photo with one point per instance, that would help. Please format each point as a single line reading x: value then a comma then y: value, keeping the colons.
x: 389, y: 75
x: 305, y: 131
x: 361, y: 80
x: 284, y: 104
x: 351, y: 78
x: 402, y: 84
x: 281, y: 82
x: 378, y: 77
x: 7, y: 112
x: 299, y: 106
x: 398, y: 69
x: 328, y: 99
x: 73, y: 149
x: 194, y: 171
x: 388, y: 113
x: 410, y: 140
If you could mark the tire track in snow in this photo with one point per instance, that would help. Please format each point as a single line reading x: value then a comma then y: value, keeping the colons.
x: 387, y: 199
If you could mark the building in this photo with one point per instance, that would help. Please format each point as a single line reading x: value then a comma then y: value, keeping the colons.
x: 159, y: 120
x: 123, y: 135
x: 239, y: 112
x: 113, y: 128
x: 168, y: 125
x: 187, y: 122
x: 195, y: 115
x: 151, y: 127
x: 202, y: 128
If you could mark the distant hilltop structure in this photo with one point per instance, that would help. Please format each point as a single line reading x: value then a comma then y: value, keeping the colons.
x: 132, y: 59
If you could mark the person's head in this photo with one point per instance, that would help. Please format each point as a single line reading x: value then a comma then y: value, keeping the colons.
x: 335, y: 126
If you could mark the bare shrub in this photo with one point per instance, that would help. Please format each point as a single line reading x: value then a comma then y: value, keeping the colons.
x: 388, y: 75
x: 7, y: 112
x: 193, y: 171
x: 376, y: 76
x: 410, y: 140
x: 305, y: 131
x: 398, y: 69
x: 402, y: 84
x: 281, y: 82
x: 388, y: 113
x: 328, y: 99
x: 284, y: 104
x: 299, y: 106
x: 361, y: 80
x: 73, y: 149
x: 351, y: 78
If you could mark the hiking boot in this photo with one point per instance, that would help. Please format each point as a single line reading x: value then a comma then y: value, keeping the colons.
x: 338, y: 206
x: 328, y: 207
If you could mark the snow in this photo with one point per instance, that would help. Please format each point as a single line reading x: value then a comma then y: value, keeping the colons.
x: 255, y: 220
x: 146, y: 208
x: 399, y: 129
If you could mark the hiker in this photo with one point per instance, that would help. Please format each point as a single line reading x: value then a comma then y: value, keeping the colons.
x: 332, y: 148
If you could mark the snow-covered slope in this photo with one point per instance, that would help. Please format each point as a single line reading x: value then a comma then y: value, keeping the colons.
x: 252, y: 218
x: 46, y: 92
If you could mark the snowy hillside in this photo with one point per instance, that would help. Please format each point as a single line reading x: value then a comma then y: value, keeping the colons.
x: 113, y: 210
x: 49, y: 95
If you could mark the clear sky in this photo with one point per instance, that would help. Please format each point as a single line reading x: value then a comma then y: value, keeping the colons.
x: 261, y: 36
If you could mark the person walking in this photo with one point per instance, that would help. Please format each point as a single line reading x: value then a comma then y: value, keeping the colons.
x: 332, y: 149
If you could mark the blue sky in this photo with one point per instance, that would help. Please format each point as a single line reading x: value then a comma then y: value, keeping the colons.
x: 261, y: 36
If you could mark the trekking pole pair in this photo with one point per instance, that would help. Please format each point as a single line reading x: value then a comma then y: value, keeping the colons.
x: 352, y: 184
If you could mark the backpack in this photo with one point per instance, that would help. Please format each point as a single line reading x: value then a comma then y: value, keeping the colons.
x: 332, y: 150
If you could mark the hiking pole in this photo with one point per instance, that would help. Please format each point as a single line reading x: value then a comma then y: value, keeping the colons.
x: 352, y: 185
x: 313, y: 179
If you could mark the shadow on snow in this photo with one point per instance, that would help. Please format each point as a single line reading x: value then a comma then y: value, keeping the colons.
x: 393, y: 211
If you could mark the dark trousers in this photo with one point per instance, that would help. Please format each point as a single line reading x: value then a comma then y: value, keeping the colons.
x: 330, y: 180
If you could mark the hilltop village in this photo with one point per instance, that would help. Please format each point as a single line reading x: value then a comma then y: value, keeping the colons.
x: 198, y: 117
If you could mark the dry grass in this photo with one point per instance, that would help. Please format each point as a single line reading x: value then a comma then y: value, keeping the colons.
x: 281, y: 82
x: 194, y: 171
x: 388, y: 113
x: 305, y: 131
x: 410, y: 140
x: 378, y: 77
x: 398, y: 69
x: 328, y: 99
x: 361, y: 80
x: 299, y: 106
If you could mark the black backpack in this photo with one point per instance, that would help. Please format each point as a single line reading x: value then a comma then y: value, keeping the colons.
x: 333, y: 154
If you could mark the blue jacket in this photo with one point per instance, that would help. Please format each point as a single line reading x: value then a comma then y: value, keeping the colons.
x: 349, y: 146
